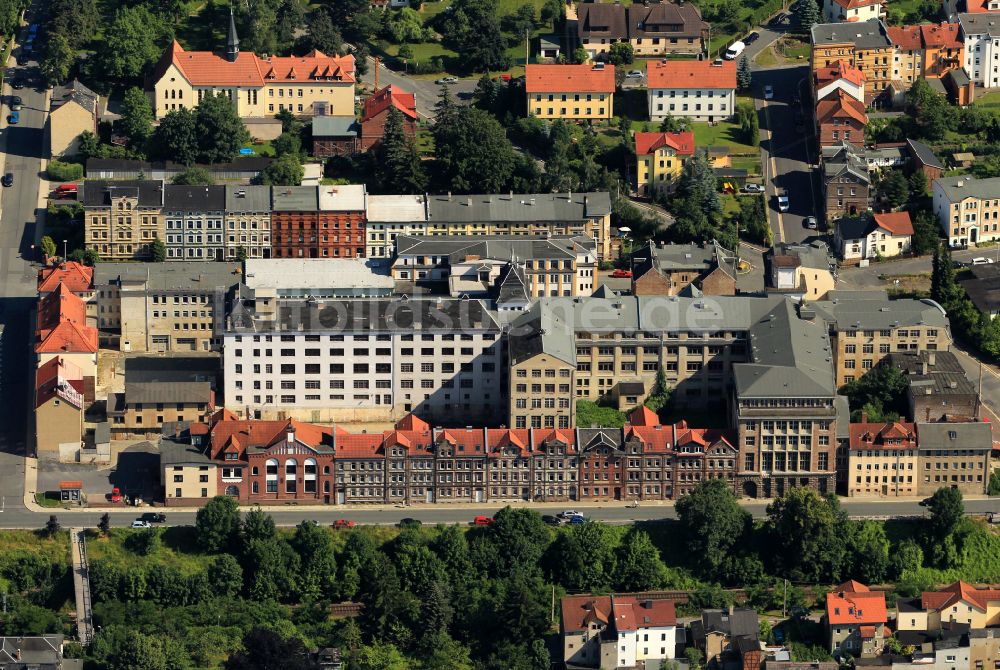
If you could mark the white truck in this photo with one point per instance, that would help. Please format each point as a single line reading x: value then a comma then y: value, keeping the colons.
x: 734, y: 50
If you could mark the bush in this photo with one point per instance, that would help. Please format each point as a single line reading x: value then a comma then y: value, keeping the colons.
x: 60, y: 171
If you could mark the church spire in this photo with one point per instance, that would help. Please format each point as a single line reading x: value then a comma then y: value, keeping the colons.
x: 232, y: 41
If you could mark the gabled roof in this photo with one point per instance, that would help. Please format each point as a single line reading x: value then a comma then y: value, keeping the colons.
x: 693, y: 74
x: 62, y: 324
x: 891, y: 435
x: 569, y: 78
x: 839, y: 104
x: 59, y: 377
x: 601, y: 20
x: 621, y: 612
x: 840, y: 70
x: 924, y: 154
x: 942, y: 35
x: 382, y: 99
x: 960, y: 592
x: 897, y: 223
x: 681, y: 142
x: 664, y: 19
x: 643, y: 416
x: 853, y: 603
x: 905, y: 37
x: 77, y: 277
x: 854, y: 4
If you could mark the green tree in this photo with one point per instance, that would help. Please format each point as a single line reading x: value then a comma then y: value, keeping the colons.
x: 744, y: 75
x: 194, y: 176
x: 638, y: 566
x: 946, y: 510
x: 621, y: 53
x: 580, y: 55
x: 868, y: 551
x: 48, y: 246
x: 698, y: 185
x: 398, y: 168
x: 104, y: 525
x: 880, y: 393
x: 404, y: 25
x: 514, y: 542
x: 806, y: 536
x: 144, y: 542
x: 893, y: 189
x: 918, y: 185
x: 807, y: 13
x: 444, y: 653
x: 314, y: 545
x: 660, y: 395
x: 583, y: 558
x: 711, y: 523
x: 749, y: 124
x: 383, y: 599
x: 226, y: 576
x: 929, y: 113
x: 88, y: 257
x: 694, y: 657
x: 52, y: 525
x: 136, y: 118
x: 132, y: 43
x: 472, y: 28
x: 220, y: 131
x: 176, y: 137
x: 552, y: 11
x: 473, y: 154
x: 925, y: 233
x: 265, y: 649
x: 139, y: 651
x: 944, y: 287
x: 57, y: 60
x: 323, y: 33
x: 270, y: 568
x: 905, y: 556
x: 286, y: 170
x: 993, y: 489
x: 158, y: 250
x: 379, y: 657
x: 217, y: 524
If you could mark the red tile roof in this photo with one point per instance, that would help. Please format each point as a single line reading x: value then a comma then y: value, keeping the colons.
x: 543, y: 436
x: 314, y: 66
x: 959, y: 592
x: 414, y: 423
x: 681, y: 142
x: 62, y: 324
x: 53, y: 376
x: 569, y: 79
x: 655, y: 438
x: 905, y: 37
x: 840, y: 70
x: 893, y: 435
x: 206, y: 68
x: 853, y: 603
x: 703, y: 74
x: 977, y: 6
x: 76, y: 276
x: 941, y: 35
x: 642, y: 415
x: 498, y: 438
x: 840, y: 105
x: 241, y: 434
x: 467, y: 441
x: 853, y: 4
x: 390, y: 95
x: 897, y: 223
x: 624, y: 612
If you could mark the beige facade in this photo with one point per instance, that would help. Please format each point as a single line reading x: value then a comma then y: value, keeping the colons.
x: 58, y: 421
x: 968, y: 209
x: 858, y: 351
x: 189, y: 481
x: 882, y: 472
x: 570, y: 105
x: 541, y: 393
x: 136, y: 419
x: 66, y: 123
x: 984, y: 649
x: 955, y: 455
x: 121, y: 219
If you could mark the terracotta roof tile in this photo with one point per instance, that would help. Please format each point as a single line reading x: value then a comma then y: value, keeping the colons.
x: 853, y: 603
x: 207, y: 68
x: 905, y: 37
x: 897, y: 223
x: 569, y: 79
x: 52, y: 376
x: 681, y: 142
x: 76, y: 276
x: 624, y: 612
x: 839, y: 105
x: 62, y: 324
x: 390, y: 95
x: 643, y: 416
x: 702, y: 74
x: 941, y: 35
x: 654, y: 437
x: 840, y: 70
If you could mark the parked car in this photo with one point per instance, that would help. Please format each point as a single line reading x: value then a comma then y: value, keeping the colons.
x: 14, y: 118
x: 15, y: 102
x: 8, y: 179
x: 409, y: 522
x: 810, y: 222
x: 622, y: 274
x: 783, y: 204
x: 116, y: 495
x: 17, y: 84
x: 343, y: 523
x: 751, y: 38
x: 139, y: 523
x: 579, y: 518
x: 981, y: 260
x: 551, y: 520
x: 446, y: 80
x: 768, y: 92
x: 154, y: 517
x: 633, y: 74
x: 65, y: 190
x: 482, y: 521
x: 570, y: 513
x: 753, y: 188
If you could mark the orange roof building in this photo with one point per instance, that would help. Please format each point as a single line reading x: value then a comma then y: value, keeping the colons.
x: 851, y: 11
x: 59, y: 405
x: 961, y: 603
x: 376, y: 112
x: 881, y: 459
x: 926, y: 50
x: 572, y: 92
x: 895, y: 223
x: 856, y: 620
x: 701, y: 90
x: 62, y: 325
x: 626, y: 620
x: 77, y: 277
x: 260, y: 86
x: 659, y: 158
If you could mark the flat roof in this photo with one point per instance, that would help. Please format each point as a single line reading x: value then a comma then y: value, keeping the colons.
x: 342, y: 198
x: 396, y: 208
x: 248, y: 199
x: 295, y: 198
x: 318, y: 273
x: 175, y: 275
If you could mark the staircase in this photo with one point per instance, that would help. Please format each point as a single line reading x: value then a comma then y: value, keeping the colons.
x: 81, y: 586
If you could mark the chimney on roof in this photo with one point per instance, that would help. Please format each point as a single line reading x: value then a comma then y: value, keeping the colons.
x: 290, y: 433
x: 923, y: 367
x: 931, y: 357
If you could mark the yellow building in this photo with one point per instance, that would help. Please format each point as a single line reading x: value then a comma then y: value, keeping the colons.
x: 882, y: 460
x: 572, y: 92
x: 122, y: 218
x: 958, y: 603
x: 73, y: 111
x: 314, y: 84
x: 659, y: 158
x: 865, y: 45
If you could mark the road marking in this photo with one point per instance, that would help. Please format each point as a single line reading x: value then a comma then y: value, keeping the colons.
x: 774, y: 168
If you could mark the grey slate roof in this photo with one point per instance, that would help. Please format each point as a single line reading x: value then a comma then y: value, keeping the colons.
x: 945, y: 376
x: 984, y: 287
x: 674, y: 257
x: 742, y: 621
x: 517, y: 207
x: 295, y: 198
x: 173, y: 276
x: 99, y: 193
x: 854, y: 227
x: 958, y: 76
x: 511, y: 289
x: 814, y: 255
x: 170, y: 379
x: 863, y: 34
x: 924, y: 154
x: 845, y: 159
x: 176, y: 447
x: 194, y: 198
x: 248, y: 199
x: 541, y: 331
x: 498, y: 247
x: 664, y: 19
x: 982, y: 23
x: 76, y: 92
x: 975, y: 435
x: 42, y: 652
x: 970, y: 187
x: 868, y: 311
x: 335, y: 126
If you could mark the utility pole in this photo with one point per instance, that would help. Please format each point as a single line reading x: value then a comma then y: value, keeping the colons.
x: 784, y: 597
x: 979, y: 396
x: 527, y: 59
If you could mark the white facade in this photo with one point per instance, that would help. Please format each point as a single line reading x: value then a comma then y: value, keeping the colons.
x: 392, y: 215
x: 981, y: 35
x: 655, y: 644
x: 856, y: 91
x: 692, y: 103
x: 837, y: 12
x: 971, y: 216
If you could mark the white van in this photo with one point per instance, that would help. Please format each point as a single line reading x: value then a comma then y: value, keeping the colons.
x: 735, y: 50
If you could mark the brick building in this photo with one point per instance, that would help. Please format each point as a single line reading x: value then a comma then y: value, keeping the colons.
x: 376, y: 113
x: 318, y: 221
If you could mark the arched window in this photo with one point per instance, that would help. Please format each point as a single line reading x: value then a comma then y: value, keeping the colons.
x: 233, y: 491
x: 291, y: 467
x: 271, y: 475
x: 309, y: 473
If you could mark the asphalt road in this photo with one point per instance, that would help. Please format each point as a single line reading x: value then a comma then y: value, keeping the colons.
x: 425, y: 90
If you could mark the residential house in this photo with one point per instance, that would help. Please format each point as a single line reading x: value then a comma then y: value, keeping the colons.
x: 122, y: 218
x: 62, y: 331
x: 160, y: 390
x: 570, y: 92
x: 937, y: 388
x: 845, y: 180
x: 259, y: 86
x: 800, y: 271
x: 600, y: 25
x: 188, y: 474
x: 700, y: 90
x: 392, y: 215
x: 979, y: 33
x: 959, y: 87
x: 76, y: 277
x: 955, y: 455
x: 376, y: 112
x: 59, y: 406
x: 40, y: 652
x: 882, y: 235
x: 908, y: 56
x: 952, y: 8
x: 959, y: 603
x: 659, y: 158
x: 967, y: 208
x: 543, y: 347
x: 865, y: 45
x: 924, y: 160
x: 163, y: 307
x: 683, y: 269
x: 866, y: 327
x: 73, y: 111
x: 663, y: 28
x: 882, y: 460
x: 840, y: 117
x: 984, y: 288
x: 193, y: 219
x: 617, y: 631
x: 247, y: 220
x: 549, y: 47
x: 984, y: 647
x: 473, y: 265
x: 318, y: 221
x: 926, y: 50
x: 852, y: 11
x: 728, y: 635
x: 839, y: 76
x: 334, y: 136
x: 946, y: 648
x: 856, y: 620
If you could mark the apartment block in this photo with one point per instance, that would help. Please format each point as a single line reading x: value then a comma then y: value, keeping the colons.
x: 570, y: 92
x: 659, y: 159
x: 63, y: 331
x: 193, y: 218
x: 388, y: 217
x: 122, y: 218
x: 365, y: 360
x: 980, y: 33
x: 163, y: 307
x: 700, y: 90
x: 955, y: 455
x: 967, y: 208
x: 937, y: 388
x: 617, y: 631
x: 161, y: 390
x: 865, y: 327
x: 318, y: 221
x: 882, y: 460
x: 864, y: 45
x: 680, y: 269
x: 473, y: 265
x: 248, y: 222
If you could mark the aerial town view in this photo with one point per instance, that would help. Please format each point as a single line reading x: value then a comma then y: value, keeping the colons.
x: 500, y: 335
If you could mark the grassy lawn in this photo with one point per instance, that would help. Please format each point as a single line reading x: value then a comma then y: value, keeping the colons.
x: 721, y: 134
x: 48, y: 499
x: 177, y: 548
x: 785, y: 50
x: 54, y: 549
x: 988, y: 100
x: 749, y: 163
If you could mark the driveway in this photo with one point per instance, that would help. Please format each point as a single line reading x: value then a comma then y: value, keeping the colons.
x: 858, y: 278
x: 424, y: 90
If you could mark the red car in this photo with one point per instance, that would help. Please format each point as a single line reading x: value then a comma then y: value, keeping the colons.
x: 622, y: 274
x: 502, y: 77
x: 116, y: 495
x: 343, y: 523
x: 482, y: 521
x: 65, y: 190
